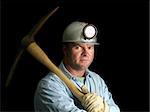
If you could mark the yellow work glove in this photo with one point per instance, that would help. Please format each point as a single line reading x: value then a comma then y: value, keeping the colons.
x: 106, y: 107
x: 92, y: 102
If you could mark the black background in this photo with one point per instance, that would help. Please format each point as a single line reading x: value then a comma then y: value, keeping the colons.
x: 122, y: 58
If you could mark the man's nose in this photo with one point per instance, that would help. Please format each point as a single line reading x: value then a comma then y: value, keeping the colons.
x: 85, y: 52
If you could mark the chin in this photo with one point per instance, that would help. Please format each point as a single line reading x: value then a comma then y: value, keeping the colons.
x: 84, y: 66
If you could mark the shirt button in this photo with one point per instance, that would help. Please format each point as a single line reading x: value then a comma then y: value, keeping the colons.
x: 74, y: 78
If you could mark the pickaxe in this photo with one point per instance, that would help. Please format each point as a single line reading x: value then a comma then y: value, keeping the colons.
x: 30, y: 45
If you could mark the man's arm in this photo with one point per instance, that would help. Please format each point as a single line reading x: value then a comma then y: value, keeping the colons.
x: 51, y: 96
x: 113, y: 107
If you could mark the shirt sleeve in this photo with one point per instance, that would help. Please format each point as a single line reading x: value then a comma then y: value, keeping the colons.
x: 51, y: 96
x: 113, y: 107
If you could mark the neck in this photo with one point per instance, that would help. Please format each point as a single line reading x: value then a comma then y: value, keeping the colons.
x: 74, y: 72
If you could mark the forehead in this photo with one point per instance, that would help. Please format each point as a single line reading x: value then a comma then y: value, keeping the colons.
x: 81, y: 44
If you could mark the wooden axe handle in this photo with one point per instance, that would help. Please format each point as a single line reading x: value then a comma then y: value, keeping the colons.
x: 39, y: 54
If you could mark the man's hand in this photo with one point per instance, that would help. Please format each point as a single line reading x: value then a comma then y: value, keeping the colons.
x: 106, y: 107
x: 93, y: 103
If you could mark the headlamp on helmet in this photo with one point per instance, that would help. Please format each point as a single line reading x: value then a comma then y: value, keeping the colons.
x: 89, y: 31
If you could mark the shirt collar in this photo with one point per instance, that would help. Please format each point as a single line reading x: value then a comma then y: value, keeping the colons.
x: 68, y: 74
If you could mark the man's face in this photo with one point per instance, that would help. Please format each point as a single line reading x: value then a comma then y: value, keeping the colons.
x: 80, y: 56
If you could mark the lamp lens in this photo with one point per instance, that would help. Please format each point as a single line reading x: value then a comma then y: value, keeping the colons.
x: 89, y: 32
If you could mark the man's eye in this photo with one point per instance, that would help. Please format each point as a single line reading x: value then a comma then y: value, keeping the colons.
x: 90, y: 47
x: 77, y: 47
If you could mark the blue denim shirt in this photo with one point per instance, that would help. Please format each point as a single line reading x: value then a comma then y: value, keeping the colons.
x: 52, y: 94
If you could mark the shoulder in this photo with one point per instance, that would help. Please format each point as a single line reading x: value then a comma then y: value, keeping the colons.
x: 50, y: 80
x: 96, y: 77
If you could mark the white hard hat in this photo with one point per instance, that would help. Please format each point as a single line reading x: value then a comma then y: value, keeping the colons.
x: 80, y: 32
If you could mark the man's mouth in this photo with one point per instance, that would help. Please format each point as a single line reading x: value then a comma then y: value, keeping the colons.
x: 84, y: 60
